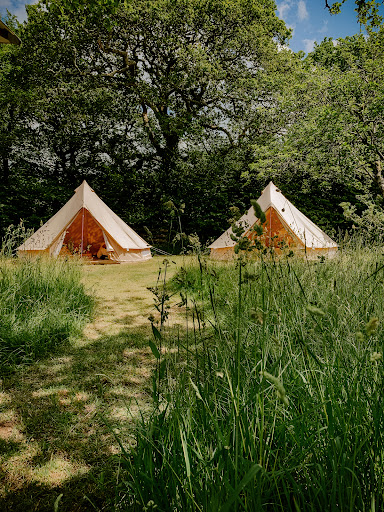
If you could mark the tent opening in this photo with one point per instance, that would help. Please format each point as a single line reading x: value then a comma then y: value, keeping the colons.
x: 84, y: 236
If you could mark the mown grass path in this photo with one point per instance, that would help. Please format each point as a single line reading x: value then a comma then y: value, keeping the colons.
x: 56, y: 415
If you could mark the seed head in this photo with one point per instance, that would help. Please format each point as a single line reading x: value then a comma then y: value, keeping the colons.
x: 314, y: 310
x: 372, y: 326
x: 376, y: 356
x: 281, y: 394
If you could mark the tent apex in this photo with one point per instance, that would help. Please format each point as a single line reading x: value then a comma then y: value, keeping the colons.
x: 270, y: 186
x: 84, y: 186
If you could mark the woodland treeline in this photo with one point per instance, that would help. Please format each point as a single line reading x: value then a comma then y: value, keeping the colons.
x: 180, y: 109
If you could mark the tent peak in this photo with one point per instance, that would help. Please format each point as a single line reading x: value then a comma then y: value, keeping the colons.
x: 83, y: 188
x: 271, y: 186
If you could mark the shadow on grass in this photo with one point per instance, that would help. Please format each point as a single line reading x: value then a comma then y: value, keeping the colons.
x: 55, y: 415
x: 77, y: 495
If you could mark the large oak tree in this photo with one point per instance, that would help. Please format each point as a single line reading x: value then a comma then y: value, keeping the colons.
x: 187, y: 67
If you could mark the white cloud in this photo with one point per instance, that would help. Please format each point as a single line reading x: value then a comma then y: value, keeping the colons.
x: 282, y: 9
x: 324, y: 27
x: 15, y: 7
x: 302, y: 12
x: 308, y: 44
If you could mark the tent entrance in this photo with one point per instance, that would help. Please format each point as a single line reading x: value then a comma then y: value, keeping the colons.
x: 276, y: 234
x: 84, y: 236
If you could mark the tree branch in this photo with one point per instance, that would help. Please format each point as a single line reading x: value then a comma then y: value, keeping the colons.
x: 221, y: 129
x: 148, y: 128
x: 129, y: 64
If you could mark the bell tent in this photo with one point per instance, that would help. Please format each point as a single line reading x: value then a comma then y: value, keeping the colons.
x: 84, y: 225
x: 284, y: 225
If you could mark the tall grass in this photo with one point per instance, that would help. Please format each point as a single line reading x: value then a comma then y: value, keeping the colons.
x: 273, y: 399
x: 42, y: 302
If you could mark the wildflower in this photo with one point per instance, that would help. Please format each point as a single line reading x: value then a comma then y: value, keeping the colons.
x: 376, y: 356
x: 220, y: 374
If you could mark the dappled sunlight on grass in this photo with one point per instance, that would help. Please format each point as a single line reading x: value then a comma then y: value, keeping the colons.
x: 57, y: 470
x: 4, y: 398
x: 57, y: 416
x: 22, y: 468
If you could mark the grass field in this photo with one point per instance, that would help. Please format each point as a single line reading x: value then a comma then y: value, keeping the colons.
x: 54, y: 437
x: 273, y: 398
x: 260, y: 389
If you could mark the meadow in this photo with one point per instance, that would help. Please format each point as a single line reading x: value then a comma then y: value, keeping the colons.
x: 271, y: 398
x: 199, y: 385
x: 41, y: 305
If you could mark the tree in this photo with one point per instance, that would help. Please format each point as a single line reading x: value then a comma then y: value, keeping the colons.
x: 335, y: 140
x: 368, y: 11
x: 187, y: 66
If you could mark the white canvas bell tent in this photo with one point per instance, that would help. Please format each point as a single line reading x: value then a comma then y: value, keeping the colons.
x: 284, y: 225
x: 82, y: 226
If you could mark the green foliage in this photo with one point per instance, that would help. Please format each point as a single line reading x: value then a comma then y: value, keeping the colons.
x: 13, y: 238
x: 247, y: 237
x: 333, y: 145
x: 368, y: 11
x: 179, y: 86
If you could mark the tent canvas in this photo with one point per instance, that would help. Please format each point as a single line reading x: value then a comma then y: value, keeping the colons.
x: 82, y: 226
x: 285, y: 224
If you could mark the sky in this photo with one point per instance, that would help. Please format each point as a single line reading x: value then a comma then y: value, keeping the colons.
x: 309, y: 20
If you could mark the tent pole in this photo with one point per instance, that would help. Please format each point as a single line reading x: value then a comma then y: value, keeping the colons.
x: 82, y: 234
